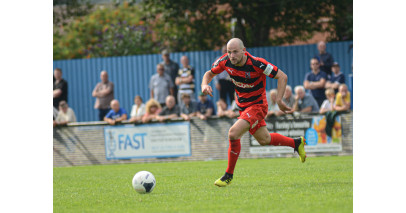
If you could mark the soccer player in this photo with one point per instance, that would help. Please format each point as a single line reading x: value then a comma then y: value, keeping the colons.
x: 248, y: 73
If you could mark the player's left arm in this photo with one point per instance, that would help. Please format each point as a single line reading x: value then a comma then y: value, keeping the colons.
x: 282, y: 81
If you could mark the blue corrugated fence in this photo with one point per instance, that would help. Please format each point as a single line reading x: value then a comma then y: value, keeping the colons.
x: 131, y: 74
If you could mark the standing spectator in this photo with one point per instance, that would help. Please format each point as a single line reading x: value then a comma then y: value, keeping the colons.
x: 170, y: 111
x: 325, y: 58
x: 171, y: 68
x: 188, y: 107
x: 273, y: 108
x: 336, y: 78
x: 304, y: 102
x: 138, y: 109
x: 60, y: 88
x: 65, y: 114
x: 161, y: 85
x: 104, y: 93
x: 185, y: 80
x: 288, y: 97
x: 223, y: 83
x: 328, y: 104
x: 152, y: 110
x: 205, y: 107
x: 315, y: 81
x: 116, y: 114
x: 343, y: 99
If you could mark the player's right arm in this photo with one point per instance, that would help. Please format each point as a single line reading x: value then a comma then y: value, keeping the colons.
x: 206, y: 88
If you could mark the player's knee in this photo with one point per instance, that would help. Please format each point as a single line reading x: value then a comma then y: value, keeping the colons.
x: 263, y: 142
x: 233, y: 134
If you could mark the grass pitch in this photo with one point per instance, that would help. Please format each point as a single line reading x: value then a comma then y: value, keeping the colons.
x: 322, y: 184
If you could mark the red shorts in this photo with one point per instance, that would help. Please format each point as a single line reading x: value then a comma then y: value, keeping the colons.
x: 255, y: 115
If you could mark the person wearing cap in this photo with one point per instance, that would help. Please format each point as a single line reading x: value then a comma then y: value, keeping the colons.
x: 65, y: 114
x: 205, y: 107
x: 325, y: 58
x: 336, y: 78
x: 188, y: 107
x: 171, y: 68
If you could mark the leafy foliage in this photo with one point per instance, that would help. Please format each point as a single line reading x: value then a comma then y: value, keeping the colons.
x: 105, y: 32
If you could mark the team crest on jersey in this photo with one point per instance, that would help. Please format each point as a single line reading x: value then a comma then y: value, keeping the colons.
x: 247, y: 75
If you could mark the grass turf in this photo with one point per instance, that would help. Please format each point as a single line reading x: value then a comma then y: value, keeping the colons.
x: 322, y: 184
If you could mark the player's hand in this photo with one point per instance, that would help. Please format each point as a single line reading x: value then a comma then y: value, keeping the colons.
x: 207, y: 90
x: 284, y: 108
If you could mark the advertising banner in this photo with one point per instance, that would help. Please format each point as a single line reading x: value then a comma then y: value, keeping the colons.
x: 147, y: 141
x: 312, y: 127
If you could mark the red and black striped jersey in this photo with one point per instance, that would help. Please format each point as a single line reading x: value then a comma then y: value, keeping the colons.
x: 249, y: 80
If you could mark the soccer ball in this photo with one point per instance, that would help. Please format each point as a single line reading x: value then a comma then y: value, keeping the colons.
x: 144, y: 182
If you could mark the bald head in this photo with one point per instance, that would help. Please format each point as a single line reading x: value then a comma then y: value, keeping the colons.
x: 115, y: 105
x: 236, y: 52
x: 170, y: 101
x: 104, y: 76
x: 235, y: 41
x: 321, y: 46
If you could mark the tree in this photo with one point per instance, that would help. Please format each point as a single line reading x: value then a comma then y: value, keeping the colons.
x: 185, y: 25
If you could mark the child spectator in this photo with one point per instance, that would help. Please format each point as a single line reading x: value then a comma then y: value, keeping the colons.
x: 328, y: 104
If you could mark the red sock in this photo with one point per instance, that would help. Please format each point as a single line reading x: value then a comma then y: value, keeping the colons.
x: 280, y: 140
x: 233, y: 153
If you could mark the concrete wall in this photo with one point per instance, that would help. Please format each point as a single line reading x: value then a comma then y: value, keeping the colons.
x: 83, y: 143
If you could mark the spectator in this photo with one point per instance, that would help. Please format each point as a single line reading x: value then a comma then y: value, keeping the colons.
x: 161, y: 85
x: 152, y: 110
x: 315, y: 82
x: 170, y: 111
x: 328, y: 104
x: 343, y: 99
x: 185, y: 80
x: 273, y: 108
x: 104, y: 93
x: 288, y: 97
x: 325, y: 58
x: 65, y: 114
x: 60, y: 88
x: 304, y: 102
x: 138, y: 110
x: 223, y: 83
x: 230, y: 112
x: 116, y: 114
x: 205, y: 107
x: 336, y: 78
x: 188, y: 107
x: 171, y: 68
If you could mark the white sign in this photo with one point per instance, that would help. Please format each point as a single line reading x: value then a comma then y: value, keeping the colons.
x: 147, y: 141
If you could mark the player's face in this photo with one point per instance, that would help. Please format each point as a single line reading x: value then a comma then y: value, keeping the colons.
x: 235, y: 53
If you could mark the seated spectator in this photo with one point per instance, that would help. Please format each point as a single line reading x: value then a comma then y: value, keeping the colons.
x: 205, y: 107
x: 328, y: 104
x: 288, y: 97
x: 273, y: 108
x: 343, y: 99
x: 304, y: 102
x: 152, y: 110
x: 138, y: 109
x: 231, y: 112
x: 116, y: 114
x: 161, y: 85
x: 315, y: 82
x: 65, y: 114
x: 170, y: 110
x: 188, y: 107
x: 336, y: 78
